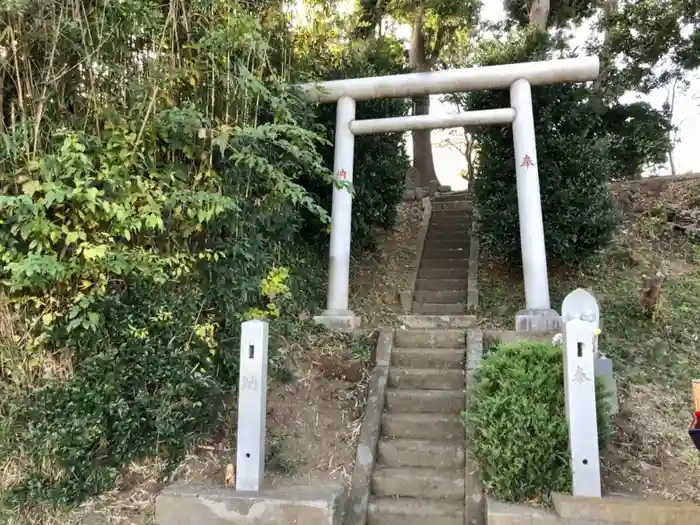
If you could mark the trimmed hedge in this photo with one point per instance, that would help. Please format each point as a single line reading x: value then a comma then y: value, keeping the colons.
x: 518, y: 422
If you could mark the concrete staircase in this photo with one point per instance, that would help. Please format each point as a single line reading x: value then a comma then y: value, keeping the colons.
x: 419, y: 477
x: 441, y: 286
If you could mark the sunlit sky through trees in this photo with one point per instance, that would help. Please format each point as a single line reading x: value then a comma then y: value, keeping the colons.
x: 449, y: 161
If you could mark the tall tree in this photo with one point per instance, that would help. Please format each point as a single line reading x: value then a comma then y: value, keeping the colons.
x: 435, y: 25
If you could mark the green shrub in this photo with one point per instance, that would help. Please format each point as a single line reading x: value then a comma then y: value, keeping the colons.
x: 149, y: 381
x: 574, y: 166
x: 518, y: 422
x: 381, y: 161
x: 146, y: 211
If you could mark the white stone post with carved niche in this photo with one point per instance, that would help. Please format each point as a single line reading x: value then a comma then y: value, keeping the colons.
x: 580, y: 314
x: 538, y: 315
x: 252, y: 406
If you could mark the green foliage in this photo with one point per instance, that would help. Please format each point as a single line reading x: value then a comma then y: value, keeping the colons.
x: 150, y: 204
x: 517, y: 418
x: 639, y: 137
x: 149, y: 382
x: 657, y: 40
x: 574, y: 166
x: 561, y: 12
x: 380, y: 160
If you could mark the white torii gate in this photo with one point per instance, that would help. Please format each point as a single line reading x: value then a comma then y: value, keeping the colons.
x: 538, y: 315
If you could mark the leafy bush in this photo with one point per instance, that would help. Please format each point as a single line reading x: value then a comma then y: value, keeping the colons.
x: 381, y: 162
x: 148, y: 207
x: 574, y: 166
x: 517, y: 417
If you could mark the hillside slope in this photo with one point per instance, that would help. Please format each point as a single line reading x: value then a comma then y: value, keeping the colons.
x: 655, y: 355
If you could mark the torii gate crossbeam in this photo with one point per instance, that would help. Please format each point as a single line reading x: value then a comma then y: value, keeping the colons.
x: 538, y: 315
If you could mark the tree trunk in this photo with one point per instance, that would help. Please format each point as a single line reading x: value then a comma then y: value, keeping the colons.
x: 539, y: 13
x: 468, y: 152
x: 597, y: 93
x: 422, y: 145
x: 671, y: 103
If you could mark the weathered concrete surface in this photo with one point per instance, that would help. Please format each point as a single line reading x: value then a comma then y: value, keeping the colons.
x: 438, y: 321
x: 537, y: 321
x: 207, y: 506
x: 406, y: 294
x: 627, y: 509
x: 433, y: 187
x: 439, y: 284
x: 415, y: 194
x: 604, y: 370
x: 509, y: 514
x: 473, y: 274
x: 439, y: 308
x: 390, y: 511
x: 426, y: 378
x: 416, y: 338
x: 441, y: 296
x: 445, y: 427
x: 475, y: 352
x: 358, y: 498
x: 435, y: 358
x: 445, y: 485
x: 341, y: 323
x: 421, y: 453
x: 444, y: 273
x: 474, y: 500
x: 435, y: 401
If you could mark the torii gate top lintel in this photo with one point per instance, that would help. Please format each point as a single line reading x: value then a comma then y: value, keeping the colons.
x: 519, y: 78
x: 456, y: 80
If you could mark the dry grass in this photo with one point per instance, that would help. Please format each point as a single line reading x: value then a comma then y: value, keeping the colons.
x: 376, y: 281
x: 313, y: 423
x: 654, y: 357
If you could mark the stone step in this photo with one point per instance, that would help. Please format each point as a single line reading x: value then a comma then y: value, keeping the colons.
x: 441, y: 296
x: 452, y: 214
x: 452, y: 196
x: 446, y: 485
x: 447, y: 238
x: 443, y: 273
x: 625, y: 509
x: 444, y: 427
x: 431, y: 264
x: 437, y: 358
x: 448, y: 243
x: 426, y: 378
x: 438, y: 308
x: 440, y: 284
x: 420, y: 453
x: 435, y: 322
x: 445, y: 253
x: 458, y: 205
x: 434, y: 401
x: 445, y: 226
x: 413, y: 511
x: 449, y: 221
x: 417, y: 338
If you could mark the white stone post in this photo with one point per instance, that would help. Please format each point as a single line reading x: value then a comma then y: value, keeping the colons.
x: 252, y: 406
x: 337, y: 313
x: 529, y: 204
x: 580, y: 326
